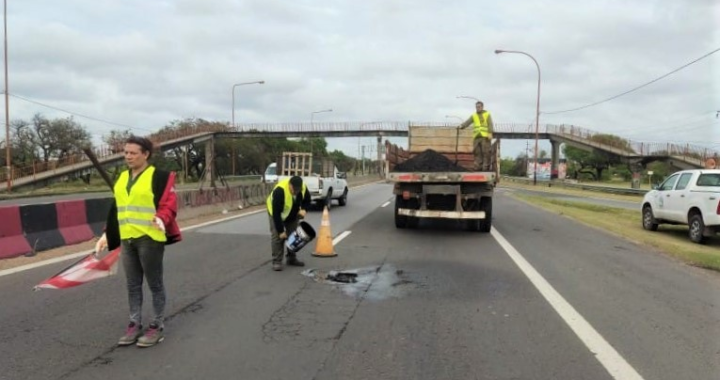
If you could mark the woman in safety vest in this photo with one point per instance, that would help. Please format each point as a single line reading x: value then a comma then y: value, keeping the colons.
x: 142, y: 221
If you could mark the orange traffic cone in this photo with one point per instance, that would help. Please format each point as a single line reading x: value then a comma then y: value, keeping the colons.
x: 324, y: 245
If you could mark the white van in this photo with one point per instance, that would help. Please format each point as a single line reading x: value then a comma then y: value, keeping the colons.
x: 271, y: 173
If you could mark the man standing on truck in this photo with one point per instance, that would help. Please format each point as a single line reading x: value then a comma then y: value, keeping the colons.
x: 286, y: 205
x: 482, y: 136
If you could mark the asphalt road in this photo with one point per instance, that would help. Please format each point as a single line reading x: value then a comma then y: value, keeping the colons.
x: 541, y: 297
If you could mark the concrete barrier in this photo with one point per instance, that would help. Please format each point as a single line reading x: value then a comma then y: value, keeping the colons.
x: 34, y: 228
x: 72, y: 222
x: 40, y: 226
x: 12, y: 240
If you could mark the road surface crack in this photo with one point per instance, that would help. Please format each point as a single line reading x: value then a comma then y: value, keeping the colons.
x: 338, y: 336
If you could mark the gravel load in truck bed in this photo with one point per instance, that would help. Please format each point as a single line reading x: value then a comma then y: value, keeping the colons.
x: 429, y: 161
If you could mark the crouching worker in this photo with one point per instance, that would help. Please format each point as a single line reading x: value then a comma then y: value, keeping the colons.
x: 142, y: 220
x: 286, y: 205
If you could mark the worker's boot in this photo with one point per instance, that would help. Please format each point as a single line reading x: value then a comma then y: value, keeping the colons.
x: 292, y: 260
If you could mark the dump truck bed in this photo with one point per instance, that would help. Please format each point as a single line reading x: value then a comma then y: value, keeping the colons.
x: 436, y: 178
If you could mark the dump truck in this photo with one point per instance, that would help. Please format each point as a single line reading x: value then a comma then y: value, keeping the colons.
x: 435, y: 178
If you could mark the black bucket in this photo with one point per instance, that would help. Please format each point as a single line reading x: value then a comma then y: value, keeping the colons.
x: 302, y: 235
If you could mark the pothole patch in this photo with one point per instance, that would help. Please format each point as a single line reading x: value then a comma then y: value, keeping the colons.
x: 374, y: 283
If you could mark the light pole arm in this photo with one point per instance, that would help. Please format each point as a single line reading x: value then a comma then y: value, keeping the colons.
x: 537, y: 107
x: 233, y: 96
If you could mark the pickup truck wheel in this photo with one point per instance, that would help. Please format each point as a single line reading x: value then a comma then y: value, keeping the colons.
x: 486, y: 205
x: 400, y: 220
x: 696, y: 228
x: 648, y: 219
x: 343, y: 200
x: 328, y: 199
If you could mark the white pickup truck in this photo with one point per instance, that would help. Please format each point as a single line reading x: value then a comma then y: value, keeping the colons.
x: 688, y: 197
x: 321, y: 177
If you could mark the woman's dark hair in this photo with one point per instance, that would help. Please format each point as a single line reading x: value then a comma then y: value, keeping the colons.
x: 146, y: 146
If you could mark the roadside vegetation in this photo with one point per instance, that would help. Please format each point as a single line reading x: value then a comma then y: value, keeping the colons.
x: 670, y: 240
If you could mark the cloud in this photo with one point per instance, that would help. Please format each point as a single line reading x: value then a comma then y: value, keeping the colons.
x: 147, y: 63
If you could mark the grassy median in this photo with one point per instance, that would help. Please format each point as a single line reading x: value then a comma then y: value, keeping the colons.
x: 671, y: 240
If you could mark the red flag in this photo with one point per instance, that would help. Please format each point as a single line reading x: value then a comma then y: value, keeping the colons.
x: 87, y: 269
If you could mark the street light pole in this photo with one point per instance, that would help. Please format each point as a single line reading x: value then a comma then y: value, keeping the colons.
x: 537, y: 107
x: 312, y: 128
x: 8, y: 157
x: 233, y: 116
x: 233, y: 96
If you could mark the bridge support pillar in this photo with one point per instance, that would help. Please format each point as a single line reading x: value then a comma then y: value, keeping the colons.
x: 209, y: 172
x: 636, y: 168
x: 380, y: 165
x: 555, y: 158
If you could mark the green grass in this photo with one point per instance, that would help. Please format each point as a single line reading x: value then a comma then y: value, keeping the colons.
x: 670, y: 240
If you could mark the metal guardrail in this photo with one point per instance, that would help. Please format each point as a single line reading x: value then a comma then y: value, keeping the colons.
x: 596, y: 188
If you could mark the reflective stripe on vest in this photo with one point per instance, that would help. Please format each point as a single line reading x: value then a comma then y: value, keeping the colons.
x: 289, y: 199
x: 136, y: 210
x: 481, y: 126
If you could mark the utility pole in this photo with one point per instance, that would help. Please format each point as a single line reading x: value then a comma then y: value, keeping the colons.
x: 363, y: 159
x: 527, y: 158
x: 8, y: 157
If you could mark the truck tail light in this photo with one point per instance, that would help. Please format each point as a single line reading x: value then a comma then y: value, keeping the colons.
x: 717, y: 211
x: 406, y: 195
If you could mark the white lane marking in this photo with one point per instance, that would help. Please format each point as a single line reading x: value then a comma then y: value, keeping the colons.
x: 385, y: 204
x: 210, y: 223
x: 615, y: 364
x: 339, y: 238
x: 10, y: 271
x: 39, y: 264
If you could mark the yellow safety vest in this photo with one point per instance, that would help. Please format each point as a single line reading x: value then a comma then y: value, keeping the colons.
x: 136, y: 210
x: 481, y: 126
x: 289, y: 199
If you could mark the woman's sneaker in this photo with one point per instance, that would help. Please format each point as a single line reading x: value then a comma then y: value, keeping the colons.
x: 153, y: 335
x: 133, y: 332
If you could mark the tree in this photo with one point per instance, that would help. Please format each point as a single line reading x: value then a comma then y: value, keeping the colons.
x: 596, y: 161
x: 343, y: 162
x: 116, y: 140
x: 69, y: 137
x: 516, y: 167
x: 57, y: 138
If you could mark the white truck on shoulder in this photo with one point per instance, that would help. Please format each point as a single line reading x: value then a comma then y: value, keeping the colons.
x: 322, y: 178
x: 688, y: 197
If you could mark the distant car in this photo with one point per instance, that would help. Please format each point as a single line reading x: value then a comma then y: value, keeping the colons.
x: 271, y: 173
x: 688, y: 197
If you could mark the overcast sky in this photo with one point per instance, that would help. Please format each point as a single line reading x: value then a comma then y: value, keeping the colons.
x: 145, y: 63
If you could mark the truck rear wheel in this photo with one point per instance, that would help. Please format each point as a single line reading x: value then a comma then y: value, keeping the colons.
x: 401, y: 221
x: 486, y: 205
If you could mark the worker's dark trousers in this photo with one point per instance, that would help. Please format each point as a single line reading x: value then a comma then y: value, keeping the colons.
x: 481, y: 149
x: 277, y: 244
x: 143, y: 258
